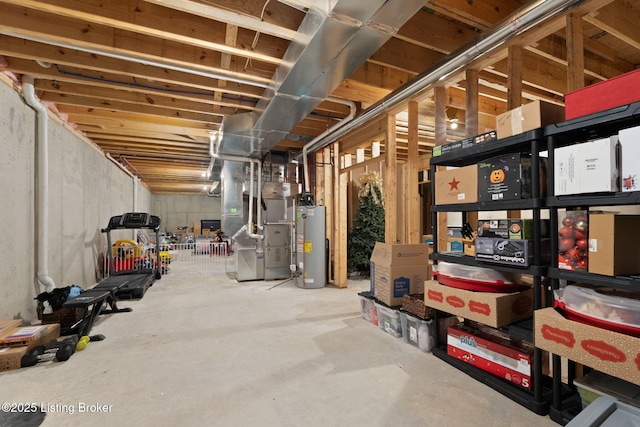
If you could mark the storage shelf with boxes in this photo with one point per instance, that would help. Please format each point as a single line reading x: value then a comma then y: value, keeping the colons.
x: 511, y: 175
x: 594, y: 246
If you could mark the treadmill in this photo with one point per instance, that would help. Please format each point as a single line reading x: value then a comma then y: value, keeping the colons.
x: 132, y: 283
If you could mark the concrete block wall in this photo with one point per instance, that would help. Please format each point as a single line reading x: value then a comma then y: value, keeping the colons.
x: 86, y: 189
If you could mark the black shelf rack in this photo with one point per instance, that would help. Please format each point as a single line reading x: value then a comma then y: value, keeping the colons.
x: 518, y: 394
x: 498, y: 205
x: 566, y: 403
x: 620, y: 282
x: 470, y: 155
x: 599, y: 199
x: 459, y: 258
x: 539, y: 398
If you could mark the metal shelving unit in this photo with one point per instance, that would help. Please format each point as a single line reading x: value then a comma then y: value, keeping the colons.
x: 538, y: 399
x: 566, y: 403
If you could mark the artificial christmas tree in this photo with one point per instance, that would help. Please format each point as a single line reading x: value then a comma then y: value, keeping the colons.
x: 368, y: 224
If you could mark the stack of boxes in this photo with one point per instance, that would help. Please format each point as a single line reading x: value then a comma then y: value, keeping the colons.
x: 17, y: 340
x: 510, y: 241
x: 502, y: 241
x: 397, y: 271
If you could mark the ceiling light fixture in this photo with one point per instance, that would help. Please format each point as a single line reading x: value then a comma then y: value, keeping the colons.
x: 452, y: 117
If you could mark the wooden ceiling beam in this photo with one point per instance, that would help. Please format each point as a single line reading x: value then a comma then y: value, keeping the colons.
x: 104, y: 40
x: 158, y: 22
x: 554, y: 48
x: 620, y: 19
x: 115, y: 132
x: 134, y: 120
x: 406, y: 57
x: 140, y: 98
x: 435, y: 32
x: 142, y: 142
x: 476, y: 14
x: 115, y: 105
x: 100, y: 67
x: 273, y: 18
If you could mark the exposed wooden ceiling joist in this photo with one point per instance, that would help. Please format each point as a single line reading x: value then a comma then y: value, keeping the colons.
x: 149, y: 80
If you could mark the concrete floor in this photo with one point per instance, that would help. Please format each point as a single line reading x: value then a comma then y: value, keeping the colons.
x: 204, y: 350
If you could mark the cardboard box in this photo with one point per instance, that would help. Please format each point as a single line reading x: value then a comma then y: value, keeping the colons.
x: 511, y: 228
x: 490, y: 353
x: 607, y: 351
x: 589, y: 167
x: 197, y: 228
x: 464, y: 143
x: 8, y: 325
x: 23, y: 335
x: 469, y: 247
x: 455, y: 244
x: 613, y: 244
x: 611, y: 93
x: 10, y: 356
x: 493, y: 309
x: 510, y: 252
x: 458, y: 185
x: 629, y: 140
x: 397, y: 270
x: 508, y: 177
x: 527, y: 117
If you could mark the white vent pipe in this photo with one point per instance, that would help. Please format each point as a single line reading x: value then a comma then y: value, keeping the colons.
x: 42, y: 209
x: 305, y: 161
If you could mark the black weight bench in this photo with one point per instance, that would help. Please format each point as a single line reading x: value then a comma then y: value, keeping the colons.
x: 95, y: 302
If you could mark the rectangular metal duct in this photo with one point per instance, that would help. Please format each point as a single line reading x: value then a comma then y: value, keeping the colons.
x: 329, y: 46
x: 233, y: 176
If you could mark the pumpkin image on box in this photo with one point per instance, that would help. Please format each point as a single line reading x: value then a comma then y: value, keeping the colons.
x: 507, y: 177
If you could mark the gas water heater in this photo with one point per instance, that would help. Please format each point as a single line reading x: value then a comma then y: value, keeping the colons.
x: 311, y: 258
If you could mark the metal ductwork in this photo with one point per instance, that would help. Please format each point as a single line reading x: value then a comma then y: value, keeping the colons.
x: 520, y: 21
x: 328, y: 47
x: 233, y: 175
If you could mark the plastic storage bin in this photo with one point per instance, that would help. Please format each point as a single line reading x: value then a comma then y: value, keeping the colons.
x: 607, y: 412
x: 613, y: 309
x: 368, y: 306
x: 596, y: 384
x: 389, y: 320
x: 417, y: 332
x: 476, y: 278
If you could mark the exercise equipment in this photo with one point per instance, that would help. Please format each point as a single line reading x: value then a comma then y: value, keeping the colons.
x: 82, y: 344
x: 140, y: 273
x: 58, y: 350
x: 94, y: 302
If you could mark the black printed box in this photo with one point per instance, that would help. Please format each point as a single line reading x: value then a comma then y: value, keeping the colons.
x: 511, y: 252
x: 508, y: 177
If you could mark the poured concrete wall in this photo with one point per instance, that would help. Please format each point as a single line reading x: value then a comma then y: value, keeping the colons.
x: 184, y: 210
x: 86, y: 189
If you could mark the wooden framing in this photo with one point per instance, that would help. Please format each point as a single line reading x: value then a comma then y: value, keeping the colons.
x: 413, y: 232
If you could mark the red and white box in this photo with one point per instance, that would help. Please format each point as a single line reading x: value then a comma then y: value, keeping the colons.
x: 502, y: 359
x: 630, y: 158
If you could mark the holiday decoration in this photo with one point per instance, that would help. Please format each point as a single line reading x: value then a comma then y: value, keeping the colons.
x: 368, y: 223
x: 573, y: 248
